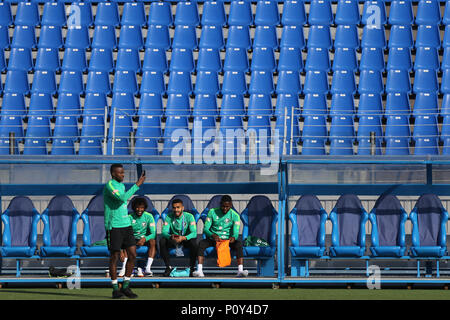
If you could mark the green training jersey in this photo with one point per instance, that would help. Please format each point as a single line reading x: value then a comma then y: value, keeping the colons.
x: 224, y: 225
x: 115, y: 202
x: 184, y: 225
x: 143, y: 226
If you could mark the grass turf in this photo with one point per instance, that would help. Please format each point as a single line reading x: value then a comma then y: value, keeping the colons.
x: 226, y: 294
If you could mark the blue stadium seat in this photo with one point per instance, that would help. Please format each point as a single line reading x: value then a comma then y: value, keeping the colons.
x: 445, y: 85
x: 152, y: 82
x: 27, y: 14
x: 425, y: 81
x: 93, y: 218
x: 66, y: 127
x: 158, y: 37
x: 313, y: 147
x: 293, y: 13
x: 260, y: 104
x: 78, y: 37
x: 187, y: 14
x: 98, y: 82
x: 104, y: 37
x: 426, y: 126
x: 209, y: 60
x: 426, y: 146
x: 123, y: 101
x: 182, y: 59
x: 341, y: 146
x: 446, y: 15
x: 397, y: 126
x: 60, y: 220
x: 155, y: 60
x: 212, y: 37
x: 240, y: 14
x: 234, y: 82
x: 346, y: 37
x: 131, y: 37
x: 2, y: 61
x: 347, y: 13
x: 266, y: 36
x: 372, y: 59
x: 401, y: 13
x: 266, y: 13
x: 236, y: 60
x: 288, y: 101
x: 348, y: 235
x: 400, y: 59
x: 205, y: 105
x: 185, y: 37
x: 5, y: 41
x: 54, y: 14
x: 342, y: 127
x: 95, y: 103
x: 342, y: 104
x: 20, y: 59
x: 401, y: 36
x: 180, y: 82
x: 288, y: 82
x: 24, y: 37
x: 370, y: 81
x: 50, y: 37
x: 6, y: 18
x: 107, y: 14
x: 122, y: 126
x: 292, y: 36
x: 397, y: 103
x: 68, y: 104
x: 10, y: 124
x: 39, y: 127
x: 89, y: 146
x: 343, y: 82
x: 150, y: 104
x: 20, y: 221
x: 207, y: 82
x: 388, y: 219
x: 13, y: 104
x: 44, y: 82
x: 120, y: 146
x: 288, y: 132
x: 258, y: 137
x: 290, y: 59
x: 232, y: 104
x: 80, y: 14
x: 368, y: 124
x: 125, y: 81
x: 214, y: 14
x: 16, y: 82
x: 316, y: 82
x: 263, y: 59
x: 398, y: 81
x: 370, y: 104
x: 315, y: 127
x: 101, y: 59
x: 146, y: 147
x: 319, y: 36
x: 41, y: 104
x: 320, y: 13
x: 261, y: 82
x: 428, y: 36
x: 426, y: 58
x: 175, y: 122
x: 365, y: 147
x: 446, y: 39
x: 160, y: 14
x: 47, y: 59
x: 428, y: 219
x: 373, y: 37
x: 345, y: 59
x: 239, y: 37
x: 133, y: 13
x: 128, y: 60
x: 374, y: 13
x: 428, y: 12
x: 178, y: 104
x: 71, y: 81
x: 426, y: 103
x: 308, y: 219
x: 318, y: 59
x: 93, y: 127
x: 315, y: 104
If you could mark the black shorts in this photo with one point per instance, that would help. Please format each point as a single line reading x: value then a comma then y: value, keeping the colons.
x: 120, y: 238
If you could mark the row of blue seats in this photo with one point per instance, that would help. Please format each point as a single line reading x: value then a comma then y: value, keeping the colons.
x: 240, y: 13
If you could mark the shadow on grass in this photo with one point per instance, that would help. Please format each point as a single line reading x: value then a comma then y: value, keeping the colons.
x: 48, y: 294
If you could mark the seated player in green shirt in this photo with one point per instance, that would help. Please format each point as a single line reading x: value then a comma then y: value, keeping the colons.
x: 221, y: 224
x: 144, y: 229
x: 179, y: 229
